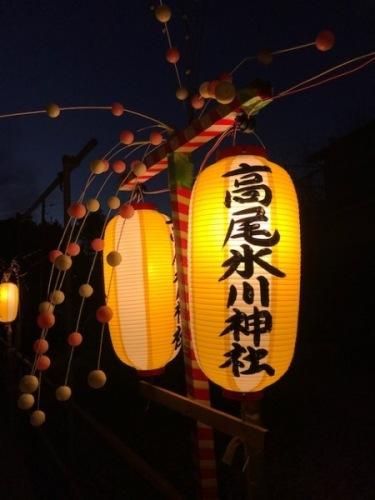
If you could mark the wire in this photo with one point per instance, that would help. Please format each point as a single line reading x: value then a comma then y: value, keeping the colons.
x: 291, y: 49
x: 259, y: 139
x: 274, y: 53
x: 147, y: 127
x: 214, y: 147
x: 108, y: 153
x: 145, y: 152
x: 100, y: 346
x: 171, y: 46
x: 330, y: 70
x: 301, y: 87
x: 23, y: 113
x: 128, y: 146
x: 86, y: 108
x: 158, y: 191
x: 204, y: 107
x: 175, y: 64
x: 335, y: 77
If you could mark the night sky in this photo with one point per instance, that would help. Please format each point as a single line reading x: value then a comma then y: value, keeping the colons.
x: 94, y: 53
x: 97, y: 52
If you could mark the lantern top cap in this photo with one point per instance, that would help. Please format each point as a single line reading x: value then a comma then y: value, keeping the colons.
x: 241, y: 150
x: 143, y: 206
x: 7, y: 282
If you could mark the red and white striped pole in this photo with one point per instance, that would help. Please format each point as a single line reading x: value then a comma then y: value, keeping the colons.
x: 180, y: 182
x: 202, y: 130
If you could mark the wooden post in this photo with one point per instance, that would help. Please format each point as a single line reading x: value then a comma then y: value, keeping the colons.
x: 10, y: 376
x: 250, y: 412
x: 180, y: 182
x: 245, y: 430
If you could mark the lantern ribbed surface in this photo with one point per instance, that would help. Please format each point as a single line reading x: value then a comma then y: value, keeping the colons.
x: 244, y: 272
x: 9, y: 298
x: 142, y: 292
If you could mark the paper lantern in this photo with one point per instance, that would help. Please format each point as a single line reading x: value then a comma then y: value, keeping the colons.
x: 142, y: 293
x: 9, y: 298
x: 244, y: 270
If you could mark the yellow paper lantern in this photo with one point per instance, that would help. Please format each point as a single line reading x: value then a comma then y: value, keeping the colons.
x: 9, y: 299
x: 142, y: 292
x: 244, y: 270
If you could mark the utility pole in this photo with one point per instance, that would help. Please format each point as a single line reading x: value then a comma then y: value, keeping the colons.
x: 62, y: 179
x: 69, y: 164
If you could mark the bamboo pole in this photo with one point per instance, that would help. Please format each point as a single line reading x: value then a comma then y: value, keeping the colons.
x: 181, y: 181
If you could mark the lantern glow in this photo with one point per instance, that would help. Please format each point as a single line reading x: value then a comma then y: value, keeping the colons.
x: 244, y: 272
x: 9, y: 299
x: 142, y: 293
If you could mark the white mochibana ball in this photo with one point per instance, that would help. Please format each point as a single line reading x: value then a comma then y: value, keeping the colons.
x: 98, y: 166
x: 203, y: 90
x: 138, y: 167
x: 25, y: 401
x: 63, y: 393
x: 46, y: 307
x: 114, y: 258
x: 96, y: 379
x: 92, y: 205
x: 113, y: 202
x: 163, y: 13
x: 53, y: 110
x: 85, y: 290
x: 63, y: 262
x: 225, y: 92
x: 37, y: 418
x: 57, y: 297
x: 28, y: 383
x: 182, y: 93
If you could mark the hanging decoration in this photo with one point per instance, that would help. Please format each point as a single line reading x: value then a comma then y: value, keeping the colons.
x: 244, y: 270
x: 62, y: 261
x: 139, y: 279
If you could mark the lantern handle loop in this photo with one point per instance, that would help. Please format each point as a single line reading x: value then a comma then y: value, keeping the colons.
x: 231, y: 450
x: 246, y: 463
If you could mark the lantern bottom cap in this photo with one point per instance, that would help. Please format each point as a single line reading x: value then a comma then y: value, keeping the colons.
x: 243, y: 396
x: 150, y: 373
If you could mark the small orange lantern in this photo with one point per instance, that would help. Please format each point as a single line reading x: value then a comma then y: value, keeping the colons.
x: 244, y: 270
x: 9, y: 299
x: 142, y: 293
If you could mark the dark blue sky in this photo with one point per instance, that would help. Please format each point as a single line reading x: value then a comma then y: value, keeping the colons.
x: 93, y: 53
